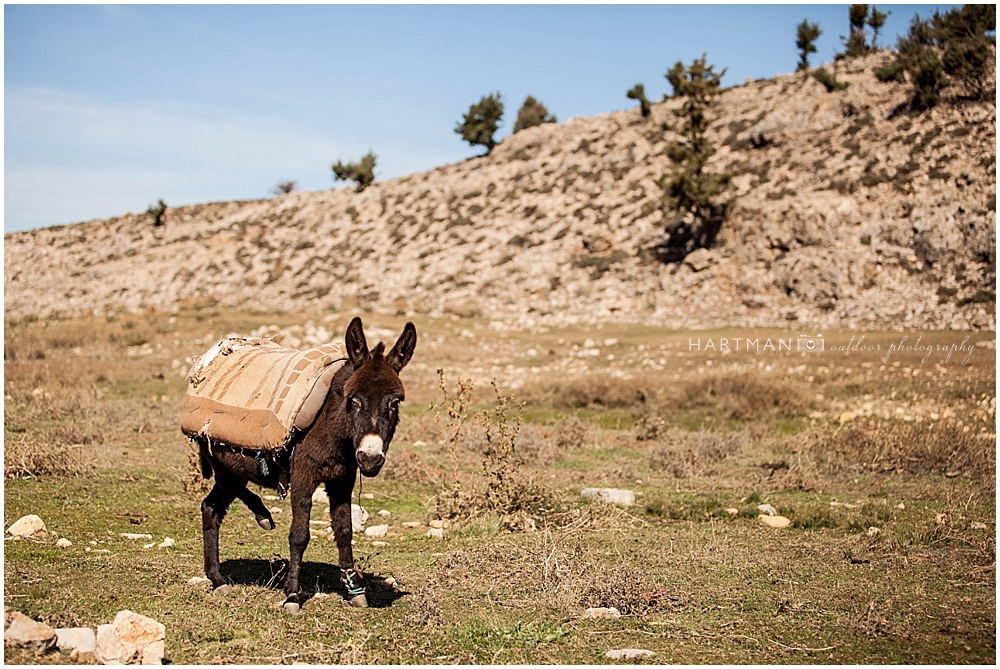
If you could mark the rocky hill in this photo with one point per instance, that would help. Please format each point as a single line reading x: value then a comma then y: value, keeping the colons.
x: 848, y: 214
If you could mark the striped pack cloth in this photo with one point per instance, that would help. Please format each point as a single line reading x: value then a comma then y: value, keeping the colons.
x: 255, y: 394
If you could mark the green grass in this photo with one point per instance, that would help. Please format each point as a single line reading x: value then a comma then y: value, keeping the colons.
x: 826, y: 590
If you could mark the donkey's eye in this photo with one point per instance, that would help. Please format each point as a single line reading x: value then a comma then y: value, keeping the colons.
x: 356, y: 403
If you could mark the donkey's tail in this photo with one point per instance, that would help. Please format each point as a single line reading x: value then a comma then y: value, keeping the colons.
x: 205, y: 459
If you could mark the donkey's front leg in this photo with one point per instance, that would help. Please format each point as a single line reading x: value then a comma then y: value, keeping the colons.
x: 298, y: 539
x: 340, y: 522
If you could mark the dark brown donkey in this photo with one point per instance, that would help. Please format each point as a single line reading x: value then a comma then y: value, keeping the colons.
x: 353, y: 431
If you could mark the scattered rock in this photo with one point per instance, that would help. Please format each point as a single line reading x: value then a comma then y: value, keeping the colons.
x: 166, y: 543
x: 410, y: 524
x: 64, y: 543
x: 774, y: 521
x: 384, y: 513
x: 379, y: 544
x: 27, y: 633
x: 319, y: 497
x: 26, y: 526
x: 435, y: 533
x: 602, y: 612
x: 389, y: 582
x: 199, y: 580
x: 367, y: 495
x: 901, y: 506
x: 131, y: 536
x: 846, y: 417
x: 438, y: 524
x: 941, y: 519
x: 359, y: 516
x: 79, y: 642
x: 377, y: 531
x: 628, y: 654
x: 977, y: 526
x: 874, y: 531
x: 131, y: 639
x: 611, y: 495
x: 767, y: 509
x: 732, y: 511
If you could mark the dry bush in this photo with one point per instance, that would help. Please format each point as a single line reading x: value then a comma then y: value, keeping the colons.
x: 742, y: 396
x: 409, y: 467
x: 537, y: 446
x: 504, y: 487
x: 571, y: 432
x: 882, y: 445
x: 24, y: 457
x: 601, y: 390
x: 695, y: 455
x: 192, y: 480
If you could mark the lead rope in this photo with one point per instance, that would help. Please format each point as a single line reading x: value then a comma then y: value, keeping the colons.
x: 351, y: 578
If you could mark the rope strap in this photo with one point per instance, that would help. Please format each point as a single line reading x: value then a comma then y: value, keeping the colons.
x: 352, y: 580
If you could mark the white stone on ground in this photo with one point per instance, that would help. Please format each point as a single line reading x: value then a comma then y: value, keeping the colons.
x: 628, y: 653
x: 435, y: 533
x: 778, y: 522
x: 131, y: 639
x: 767, y: 509
x: 377, y: 531
x: 359, y: 516
x: 27, y: 633
x: 64, y: 543
x: 26, y: 526
x: 611, y: 495
x: 602, y: 612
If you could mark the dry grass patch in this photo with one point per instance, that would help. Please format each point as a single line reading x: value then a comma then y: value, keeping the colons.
x: 696, y: 453
x: 742, y: 396
x: 595, y: 390
x: 927, y: 447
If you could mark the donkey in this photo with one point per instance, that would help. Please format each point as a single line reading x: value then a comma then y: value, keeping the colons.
x: 352, y: 431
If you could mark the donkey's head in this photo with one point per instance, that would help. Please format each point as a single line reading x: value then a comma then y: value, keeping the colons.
x: 373, y: 392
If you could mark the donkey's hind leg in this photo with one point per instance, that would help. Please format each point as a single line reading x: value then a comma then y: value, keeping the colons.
x: 256, y: 505
x: 213, y: 510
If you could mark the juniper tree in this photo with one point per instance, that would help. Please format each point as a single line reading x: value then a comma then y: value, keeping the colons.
x: 284, y: 187
x: 805, y: 39
x: 856, y: 43
x: 362, y: 173
x: 157, y: 211
x: 638, y: 92
x: 876, y: 21
x: 532, y: 113
x: 955, y: 45
x: 480, y: 123
x: 692, y: 209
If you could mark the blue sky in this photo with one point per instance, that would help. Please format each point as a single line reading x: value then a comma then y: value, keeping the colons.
x: 108, y: 108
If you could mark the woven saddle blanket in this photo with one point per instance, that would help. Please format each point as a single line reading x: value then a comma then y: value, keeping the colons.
x: 256, y: 394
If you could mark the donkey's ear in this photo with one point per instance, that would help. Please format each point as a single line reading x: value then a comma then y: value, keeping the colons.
x: 354, y: 340
x: 403, y: 350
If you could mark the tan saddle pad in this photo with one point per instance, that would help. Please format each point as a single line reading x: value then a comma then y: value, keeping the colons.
x: 256, y: 394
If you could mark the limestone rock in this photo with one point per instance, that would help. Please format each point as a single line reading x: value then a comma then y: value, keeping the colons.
x: 359, y: 516
x: 602, y: 612
x: 435, y: 533
x: 628, y: 654
x: 26, y: 526
x: 29, y: 634
x: 779, y: 522
x: 131, y: 639
x: 611, y: 495
x: 376, y: 531
x: 64, y: 542
x: 80, y: 642
x: 767, y: 509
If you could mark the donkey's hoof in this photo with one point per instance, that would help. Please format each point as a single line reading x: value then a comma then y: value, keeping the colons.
x: 291, y: 608
x: 359, y: 601
x: 266, y: 522
x: 222, y: 590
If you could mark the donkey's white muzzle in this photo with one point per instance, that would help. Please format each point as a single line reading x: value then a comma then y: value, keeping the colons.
x: 370, y: 455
